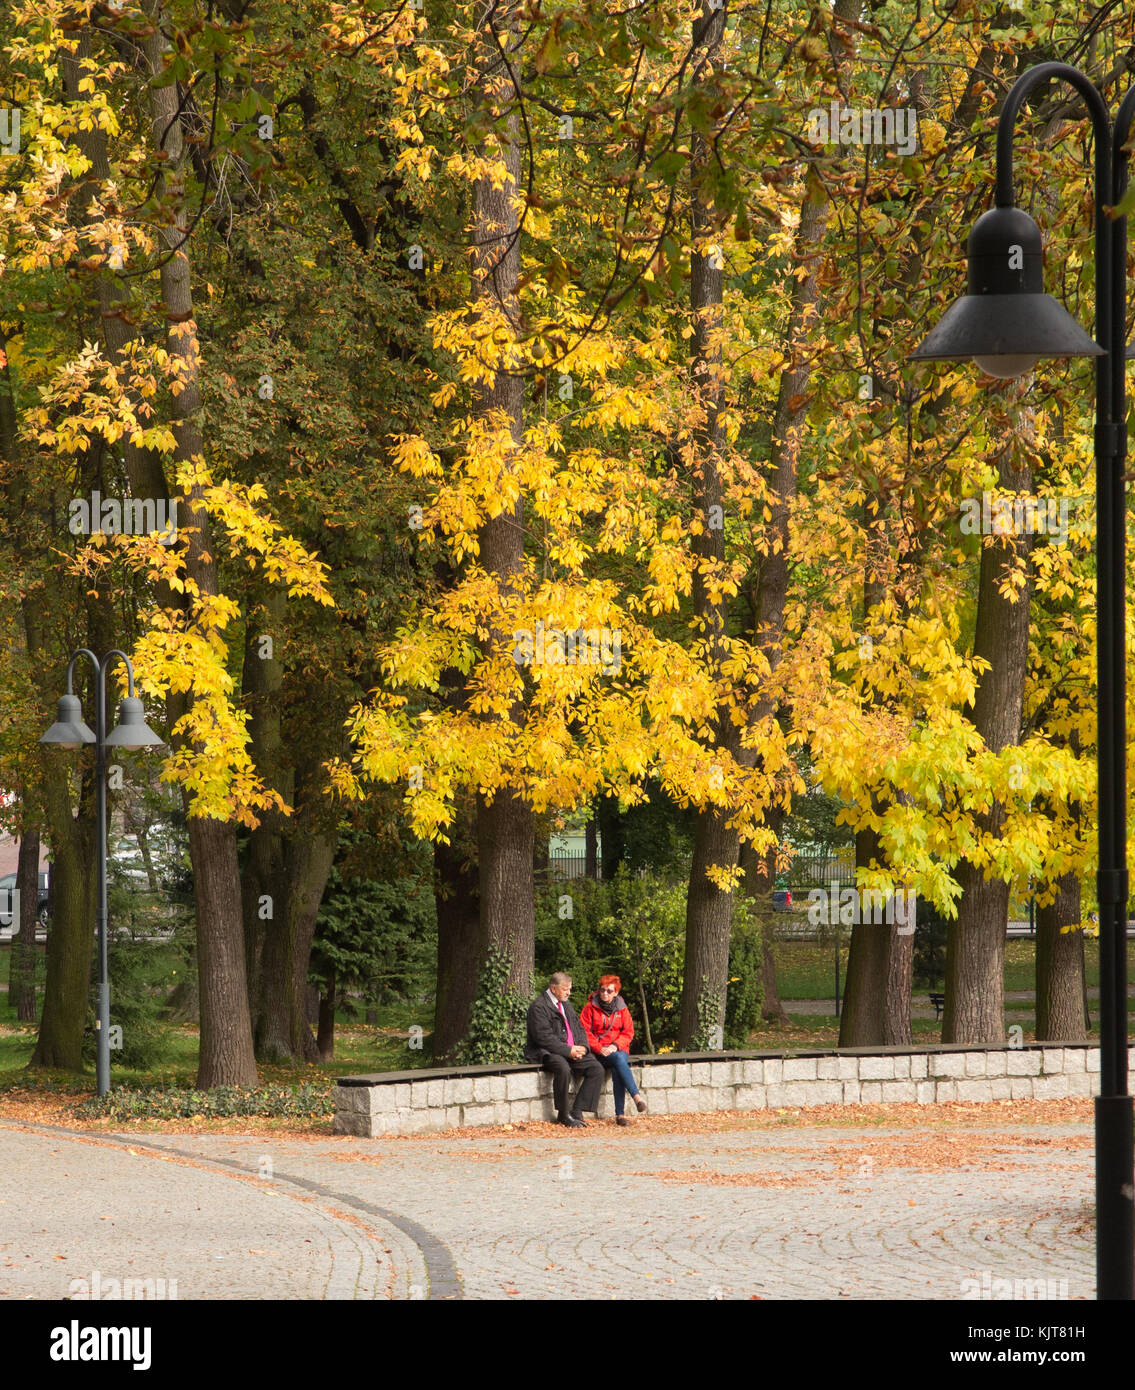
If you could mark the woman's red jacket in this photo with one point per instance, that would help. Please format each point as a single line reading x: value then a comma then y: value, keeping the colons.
x: 603, y: 1030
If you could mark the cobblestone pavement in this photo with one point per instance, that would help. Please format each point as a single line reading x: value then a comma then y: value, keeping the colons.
x: 799, y: 1212
x: 71, y: 1207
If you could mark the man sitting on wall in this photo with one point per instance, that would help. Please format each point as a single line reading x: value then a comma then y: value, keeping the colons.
x: 557, y: 1041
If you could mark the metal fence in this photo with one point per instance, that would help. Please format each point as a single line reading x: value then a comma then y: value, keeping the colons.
x: 571, y: 866
x: 819, y: 870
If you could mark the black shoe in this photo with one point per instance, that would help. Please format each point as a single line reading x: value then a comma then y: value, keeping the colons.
x: 578, y: 1120
x: 571, y: 1122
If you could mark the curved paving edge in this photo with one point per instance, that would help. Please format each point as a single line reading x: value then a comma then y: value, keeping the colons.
x: 441, y: 1278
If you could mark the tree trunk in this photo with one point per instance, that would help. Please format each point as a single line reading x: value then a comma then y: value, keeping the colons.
x: 226, y: 1030
x: 612, y: 837
x: 975, y: 947
x: 226, y: 1033
x: 591, y: 847
x: 71, y: 836
x: 70, y: 938
x: 21, y: 977
x: 326, y: 1038
x: 282, y: 1032
x: 709, y: 916
x: 226, y: 1056
x: 897, y: 1030
x: 504, y: 853
x: 760, y: 884
x: 505, y: 823
x: 861, y: 1023
x: 709, y: 908
x: 882, y: 1015
x: 458, y: 946
x: 767, y: 590
x: 541, y: 854
x: 263, y: 869
x: 1060, y: 967
x: 286, y: 864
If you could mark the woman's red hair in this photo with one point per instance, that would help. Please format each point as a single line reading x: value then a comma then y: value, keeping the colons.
x: 611, y: 980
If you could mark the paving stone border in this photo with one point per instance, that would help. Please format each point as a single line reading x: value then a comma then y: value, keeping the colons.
x: 412, y: 1102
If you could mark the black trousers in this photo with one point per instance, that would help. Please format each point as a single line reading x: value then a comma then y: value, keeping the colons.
x: 590, y: 1072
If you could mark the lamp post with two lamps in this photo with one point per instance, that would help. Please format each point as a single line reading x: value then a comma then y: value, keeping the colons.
x: 1005, y: 324
x: 132, y: 732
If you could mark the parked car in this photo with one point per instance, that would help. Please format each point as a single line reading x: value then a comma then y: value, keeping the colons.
x: 7, y: 886
x: 782, y: 899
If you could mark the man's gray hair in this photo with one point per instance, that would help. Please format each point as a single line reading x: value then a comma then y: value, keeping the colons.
x: 561, y: 977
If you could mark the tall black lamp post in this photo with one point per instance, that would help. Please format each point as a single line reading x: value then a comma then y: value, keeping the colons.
x: 132, y: 732
x: 1005, y: 324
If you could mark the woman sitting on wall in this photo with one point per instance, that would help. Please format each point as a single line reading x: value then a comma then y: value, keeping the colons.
x: 607, y: 1022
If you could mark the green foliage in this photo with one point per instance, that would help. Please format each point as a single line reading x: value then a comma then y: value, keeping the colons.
x: 376, y: 935
x: 498, y: 1022
x: 635, y: 927
x: 142, y: 972
x: 812, y: 820
x: 584, y: 943
x: 745, y: 994
x: 648, y: 919
x: 658, y: 835
x: 929, y: 968
x: 155, y: 1103
x: 709, y: 1007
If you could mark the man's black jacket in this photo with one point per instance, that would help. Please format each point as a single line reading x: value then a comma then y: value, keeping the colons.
x: 546, y: 1031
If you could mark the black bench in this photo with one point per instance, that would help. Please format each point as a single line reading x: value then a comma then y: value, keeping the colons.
x: 939, y: 1002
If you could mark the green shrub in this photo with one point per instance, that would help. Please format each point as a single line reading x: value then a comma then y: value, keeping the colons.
x: 706, y: 1037
x: 498, y: 1021
x: 930, y: 928
x: 744, y: 997
x: 635, y: 927
x: 156, y: 1103
x: 376, y: 935
x: 141, y: 974
x: 649, y: 923
x: 575, y: 931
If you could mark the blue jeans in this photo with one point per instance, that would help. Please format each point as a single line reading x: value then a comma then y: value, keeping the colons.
x: 622, y: 1081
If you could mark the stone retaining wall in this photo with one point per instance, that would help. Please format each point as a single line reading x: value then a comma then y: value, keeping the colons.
x: 413, y: 1102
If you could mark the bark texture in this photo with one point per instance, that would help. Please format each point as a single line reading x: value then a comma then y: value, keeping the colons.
x: 458, y: 937
x: 709, y: 908
x: 975, y: 947
x: 21, y: 964
x: 1060, y: 1014
x: 226, y: 1056
x: 767, y: 588
x: 505, y: 823
x: 760, y: 885
x: 286, y: 865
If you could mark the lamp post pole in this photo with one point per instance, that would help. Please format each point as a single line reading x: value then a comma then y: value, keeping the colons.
x: 102, y: 1062
x: 1005, y: 324
x: 70, y: 732
x: 1114, y: 1115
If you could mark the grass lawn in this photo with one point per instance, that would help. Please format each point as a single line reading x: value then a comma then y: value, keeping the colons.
x: 806, y: 969
x: 822, y: 1030
x: 358, y: 1048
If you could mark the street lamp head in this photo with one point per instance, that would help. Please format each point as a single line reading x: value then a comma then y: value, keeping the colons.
x: 1005, y: 323
x: 68, y: 731
x: 132, y: 731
